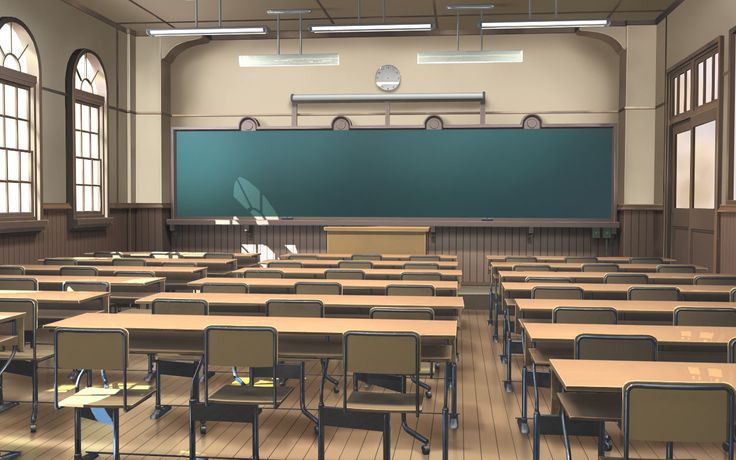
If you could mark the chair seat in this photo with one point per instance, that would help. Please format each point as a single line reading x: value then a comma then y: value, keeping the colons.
x: 383, y: 402
x: 107, y: 398
x: 541, y: 356
x: 246, y: 394
x: 591, y: 406
x: 309, y: 348
x: 43, y: 352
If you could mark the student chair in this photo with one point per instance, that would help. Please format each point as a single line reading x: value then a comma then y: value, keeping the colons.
x: 551, y: 279
x: 355, y: 264
x: 581, y: 260
x: 60, y: 261
x: 676, y: 268
x: 134, y: 273
x: 285, y: 264
x: 732, y: 295
x: 720, y: 280
x: 107, y: 254
x: 89, y: 350
x: 646, y: 260
x: 625, y: 278
x: 264, y: 274
x: 344, y: 274
x: 224, y: 288
x: 393, y: 356
x: 325, y: 288
x: 178, y: 263
x: 411, y: 290
x: 427, y: 257
x: 179, y: 364
x: 598, y: 267
x: 129, y: 261
x: 520, y: 259
x: 421, y: 276
x: 218, y: 255
x: 79, y: 270
x: 421, y: 266
x: 12, y: 270
x: 18, y: 284
x: 653, y: 293
x: 254, y: 348
x: 364, y: 257
x: 557, y: 292
x: 697, y: 316
x: 86, y: 286
x: 531, y: 268
x: 586, y: 315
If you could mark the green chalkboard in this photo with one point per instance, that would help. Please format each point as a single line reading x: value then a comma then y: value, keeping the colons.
x: 549, y: 173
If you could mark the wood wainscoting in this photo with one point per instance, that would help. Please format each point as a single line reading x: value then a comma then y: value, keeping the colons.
x: 641, y: 230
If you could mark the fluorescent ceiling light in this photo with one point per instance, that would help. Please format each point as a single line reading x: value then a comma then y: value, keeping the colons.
x: 208, y: 31
x: 469, y: 57
x: 371, y: 28
x: 545, y: 24
x: 290, y: 60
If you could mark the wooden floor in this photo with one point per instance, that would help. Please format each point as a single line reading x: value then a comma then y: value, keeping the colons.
x: 487, y: 422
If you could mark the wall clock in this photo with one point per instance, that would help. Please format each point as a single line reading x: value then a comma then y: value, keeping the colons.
x: 388, y: 78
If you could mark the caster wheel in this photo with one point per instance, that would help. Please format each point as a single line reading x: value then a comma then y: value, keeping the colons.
x: 336, y: 389
x: 316, y: 430
x: 33, y: 428
x: 428, y: 394
x: 453, y: 423
x: 425, y: 450
x: 608, y: 444
x: 202, y: 429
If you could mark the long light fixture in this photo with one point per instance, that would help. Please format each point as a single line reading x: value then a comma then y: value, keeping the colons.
x: 289, y: 60
x: 545, y: 24
x: 208, y: 31
x: 371, y: 28
x: 469, y: 57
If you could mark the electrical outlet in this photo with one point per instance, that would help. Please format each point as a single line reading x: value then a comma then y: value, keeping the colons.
x: 596, y: 233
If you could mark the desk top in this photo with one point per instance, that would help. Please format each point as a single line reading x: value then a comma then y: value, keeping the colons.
x: 348, y: 256
x: 6, y: 316
x: 333, y: 263
x: 110, y: 269
x: 593, y: 288
x: 356, y: 301
x: 152, y: 261
x: 176, y: 254
x: 623, y: 267
x: 379, y: 273
x: 663, y: 333
x: 54, y: 297
x: 601, y: 259
x: 113, y: 280
x: 639, y: 306
x: 598, y: 277
x: 346, y: 284
x: 284, y: 325
x: 580, y: 375
x: 10, y: 340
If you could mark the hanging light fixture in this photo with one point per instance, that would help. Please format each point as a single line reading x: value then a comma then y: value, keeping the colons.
x: 371, y: 28
x: 469, y: 57
x: 208, y: 31
x: 289, y: 60
x: 551, y: 24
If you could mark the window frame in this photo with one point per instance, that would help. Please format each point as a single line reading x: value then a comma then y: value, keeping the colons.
x: 731, y: 195
x: 82, y: 219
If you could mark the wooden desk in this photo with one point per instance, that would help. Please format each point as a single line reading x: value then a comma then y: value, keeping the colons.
x: 176, y: 277
x: 213, y: 265
x: 54, y: 305
x: 334, y: 304
x: 373, y: 273
x: 396, y: 264
x: 558, y: 259
x: 273, y: 285
x: 627, y: 310
x: 599, y: 277
x: 123, y: 288
x: 619, y: 291
x: 348, y: 256
x: 15, y: 341
x: 176, y: 333
x: 243, y: 258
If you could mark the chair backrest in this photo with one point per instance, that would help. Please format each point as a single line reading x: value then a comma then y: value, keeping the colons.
x: 264, y: 274
x: 598, y: 267
x: 343, y: 274
x: 295, y: 308
x: 109, y: 254
x: 18, y: 284
x: 520, y: 259
x: 162, y: 254
x: 12, y: 270
x: 178, y: 263
x: 285, y: 264
x: 586, y: 315
x: 544, y: 279
x: 224, y: 288
x: 581, y: 260
x: 678, y: 412
x: 401, y: 313
x: 646, y: 260
x: 411, y: 289
x: 531, y: 268
x: 240, y: 347
x: 79, y: 270
x: 732, y: 295
x: 697, y: 316
x: 318, y: 288
x: 619, y: 347
x: 366, y: 257
x: 299, y: 256
x: 625, y: 278
x: 385, y: 353
x: 91, y: 349
x: 357, y: 264
x: 129, y: 261
x: 720, y: 280
x: 60, y: 261
x: 422, y: 276
x: 676, y: 268
x: 426, y: 257
x: 180, y: 307
x: 732, y: 351
x: 140, y: 273
x: 557, y: 292
x: 86, y: 286
x: 421, y: 266
x: 653, y: 293
x: 218, y: 255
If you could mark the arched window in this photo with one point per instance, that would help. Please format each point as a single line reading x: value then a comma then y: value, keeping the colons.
x: 19, y: 122
x: 87, y: 134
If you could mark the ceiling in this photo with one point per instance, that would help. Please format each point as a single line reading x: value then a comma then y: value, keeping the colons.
x: 139, y: 15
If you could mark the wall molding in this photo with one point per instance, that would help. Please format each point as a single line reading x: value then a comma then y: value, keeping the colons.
x: 140, y: 205
x: 641, y: 207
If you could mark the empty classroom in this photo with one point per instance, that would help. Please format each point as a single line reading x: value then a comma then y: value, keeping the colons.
x: 368, y: 229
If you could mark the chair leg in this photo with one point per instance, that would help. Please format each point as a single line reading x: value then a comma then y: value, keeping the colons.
x: 387, y: 436
x: 415, y: 434
x: 103, y: 375
x: 116, y: 434
x: 329, y: 378
x: 565, y: 438
x: 34, y: 396
x: 669, y: 451
x: 192, y: 435
x: 255, y: 436
x: 159, y: 410
x: 77, y: 435
x: 149, y: 374
x: 522, y: 421
x: 536, y: 434
x: 424, y: 385
x: 320, y: 437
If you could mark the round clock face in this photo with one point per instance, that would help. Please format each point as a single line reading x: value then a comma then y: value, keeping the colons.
x: 388, y: 77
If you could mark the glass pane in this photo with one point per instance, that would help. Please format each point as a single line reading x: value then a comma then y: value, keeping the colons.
x: 675, y: 92
x: 77, y: 115
x: 4, y: 197
x: 26, y: 199
x: 96, y: 172
x: 24, y: 136
x: 23, y: 103
x: 88, y: 171
x: 717, y: 76
x: 94, y: 121
x: 80, y: 198
x: 88, y: 198
x: 96, y: 199
x: 701, y: 83
x: 13, y: 165
x: 11, y: 133
x: 682, y: 180
x: 3, y: 165
x: 2, y: 132
x: 13, y: 197
x: 705, y: 166
x: 708, y: 80
x: 689, y: 90
x: 25, y: 166
x: 79, y: 173
x: 2, y: 98
x: 10, y: 101
x: 78, y: 143
x: 85, y: 118
x: 683, y: 96
x: 85, y: 145
x: 94, y: 144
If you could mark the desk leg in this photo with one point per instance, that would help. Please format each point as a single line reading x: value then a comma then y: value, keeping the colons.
x: 490, y: 302
x: 445, y: 415
x: 453, y: 411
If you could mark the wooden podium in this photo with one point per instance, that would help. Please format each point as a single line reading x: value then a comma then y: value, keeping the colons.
x: 377, y: 240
